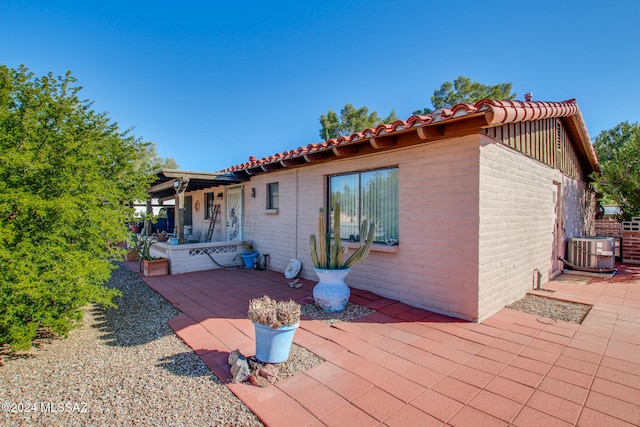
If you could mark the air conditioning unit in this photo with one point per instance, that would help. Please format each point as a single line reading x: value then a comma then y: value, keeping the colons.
x: 591, y: 253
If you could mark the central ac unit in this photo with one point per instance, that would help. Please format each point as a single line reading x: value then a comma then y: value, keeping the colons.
x: 591, y: 253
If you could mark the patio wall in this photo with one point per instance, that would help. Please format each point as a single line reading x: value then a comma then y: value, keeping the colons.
x: 192, y: 257
x: 631, y: 247
x: 627, y: 233
x: 608, y: 228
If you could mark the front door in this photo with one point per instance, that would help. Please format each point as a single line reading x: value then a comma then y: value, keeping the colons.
x: 234, y: 213
x: 188, y: 211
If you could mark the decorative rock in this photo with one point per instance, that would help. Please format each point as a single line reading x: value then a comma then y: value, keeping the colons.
x: 270, y: 372
x: 240, y: 370
x: 233, y: 356
x: 254, y: 364
x: 250, y: 369
x: 257, y: 380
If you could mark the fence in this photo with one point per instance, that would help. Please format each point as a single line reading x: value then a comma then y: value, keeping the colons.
x: 627, y: 236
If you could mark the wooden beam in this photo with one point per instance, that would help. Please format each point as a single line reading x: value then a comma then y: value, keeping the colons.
x: 381, y: 142
x: 268, y: 167
x: 316, y: 157
x: 345, y: 150
x: 430, y: 132
x: 464, y: 127
x: 167, y: 185
x: 295, y: 161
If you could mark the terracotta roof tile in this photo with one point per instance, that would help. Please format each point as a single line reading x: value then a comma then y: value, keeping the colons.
x: 495, y: 112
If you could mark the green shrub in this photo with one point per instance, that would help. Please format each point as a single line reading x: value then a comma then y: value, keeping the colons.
x: 65, y: 173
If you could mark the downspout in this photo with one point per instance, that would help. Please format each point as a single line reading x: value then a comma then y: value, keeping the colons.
x: 297, y: 214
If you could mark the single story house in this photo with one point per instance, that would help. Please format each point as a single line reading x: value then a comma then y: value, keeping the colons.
x: 472, y: 204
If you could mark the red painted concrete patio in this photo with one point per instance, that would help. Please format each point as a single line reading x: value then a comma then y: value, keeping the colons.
x: 403, y: 366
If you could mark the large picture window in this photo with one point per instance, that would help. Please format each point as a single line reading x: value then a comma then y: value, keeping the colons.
x: 370, y: 195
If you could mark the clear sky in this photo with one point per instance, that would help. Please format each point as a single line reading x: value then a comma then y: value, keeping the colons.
x: 212, y: 82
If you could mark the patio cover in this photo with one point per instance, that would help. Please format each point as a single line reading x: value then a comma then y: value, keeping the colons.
x: 164, y: 187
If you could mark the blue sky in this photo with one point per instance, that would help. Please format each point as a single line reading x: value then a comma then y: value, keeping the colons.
x: 212, y: 83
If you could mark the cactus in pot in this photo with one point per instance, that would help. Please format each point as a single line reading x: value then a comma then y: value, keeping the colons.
x: 331, y: 293
x: 328, y: 253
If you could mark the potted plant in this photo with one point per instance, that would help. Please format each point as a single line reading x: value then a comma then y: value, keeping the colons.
x: 151, y: 266
x: 275, y: 325
x: 331, y: 293
x: 133, y: 251
x: 249, y: 256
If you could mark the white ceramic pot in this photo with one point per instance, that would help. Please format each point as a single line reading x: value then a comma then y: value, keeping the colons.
x: 331, y: 293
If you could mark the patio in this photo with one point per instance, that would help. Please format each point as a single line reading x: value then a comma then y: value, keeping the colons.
x: 405, y: 366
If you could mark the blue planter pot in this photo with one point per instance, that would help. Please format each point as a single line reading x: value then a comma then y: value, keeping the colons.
x: 273, y: 345
x: 249, y: 258
x: 331, y: 294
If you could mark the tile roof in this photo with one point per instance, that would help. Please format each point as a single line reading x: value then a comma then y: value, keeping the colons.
x: 494, y: 113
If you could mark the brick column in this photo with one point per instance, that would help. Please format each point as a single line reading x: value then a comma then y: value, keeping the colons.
x: 631, y: 241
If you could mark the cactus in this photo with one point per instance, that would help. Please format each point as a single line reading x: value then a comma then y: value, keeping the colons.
x: 329, y: 255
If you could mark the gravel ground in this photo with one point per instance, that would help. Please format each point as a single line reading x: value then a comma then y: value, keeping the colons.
x: 350, y: 313
x: 552, y: 308
x: 123, y: 367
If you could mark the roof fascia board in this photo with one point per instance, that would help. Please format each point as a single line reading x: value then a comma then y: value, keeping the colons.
x: 165, y: 185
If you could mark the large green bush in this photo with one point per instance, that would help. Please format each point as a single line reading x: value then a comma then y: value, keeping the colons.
x: 66, y: 173
x: 618, y: 152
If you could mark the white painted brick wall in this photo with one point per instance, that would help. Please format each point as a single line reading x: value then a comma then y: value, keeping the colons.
x: 181, y: 261
x: 435, y: 266
x: 272, y: 233
x: 476, y: 219
x: 517, y: 223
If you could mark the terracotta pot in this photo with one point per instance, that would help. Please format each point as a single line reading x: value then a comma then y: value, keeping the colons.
x: 132, y: 256
x: 155, y: 267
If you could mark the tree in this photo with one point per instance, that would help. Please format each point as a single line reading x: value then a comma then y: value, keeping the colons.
x: 151, y: 158
x: 66, y: 173
x: 618, y: 151
x: 464, y: 91
x: 350, y: 121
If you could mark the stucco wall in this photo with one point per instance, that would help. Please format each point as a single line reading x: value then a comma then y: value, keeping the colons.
x: 517, y: 217
x: 435, y: 265
x: 201, y: 225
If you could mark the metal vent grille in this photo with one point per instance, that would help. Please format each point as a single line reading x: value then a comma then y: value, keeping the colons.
x: 592, y: 252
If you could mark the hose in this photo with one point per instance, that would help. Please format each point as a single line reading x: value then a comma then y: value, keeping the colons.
x: 589, y: 269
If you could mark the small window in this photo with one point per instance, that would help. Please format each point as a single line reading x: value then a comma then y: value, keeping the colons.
x: 273, y: 196
x: 370, y: 195
x: 208, y: 213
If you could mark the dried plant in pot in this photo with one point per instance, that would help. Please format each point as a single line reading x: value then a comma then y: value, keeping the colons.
x: 275, y: 325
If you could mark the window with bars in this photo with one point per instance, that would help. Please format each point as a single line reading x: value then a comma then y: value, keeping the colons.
x: 368, y: 195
